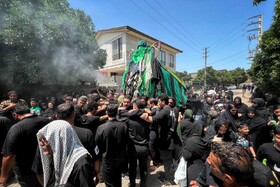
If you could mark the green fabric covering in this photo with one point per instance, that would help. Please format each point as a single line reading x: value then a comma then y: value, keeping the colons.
x: 138, y: 55
x: 177, y: 87
x: 142, y: 43
x: 137, y: 78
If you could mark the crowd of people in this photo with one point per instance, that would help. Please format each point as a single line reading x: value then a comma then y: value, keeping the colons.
x: 85, y: 140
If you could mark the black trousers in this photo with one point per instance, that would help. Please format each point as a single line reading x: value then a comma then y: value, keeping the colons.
x: 139, y: 154
x: 153, y: 147
x: 112, y: 173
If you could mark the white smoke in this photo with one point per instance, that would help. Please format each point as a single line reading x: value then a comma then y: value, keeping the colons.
x: 66, y: 63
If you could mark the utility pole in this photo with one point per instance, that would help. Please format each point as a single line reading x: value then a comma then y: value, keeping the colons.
x: 205, y: 66
x: 253, y: 36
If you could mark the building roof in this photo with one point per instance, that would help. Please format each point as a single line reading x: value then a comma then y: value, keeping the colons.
x: 128, y: 29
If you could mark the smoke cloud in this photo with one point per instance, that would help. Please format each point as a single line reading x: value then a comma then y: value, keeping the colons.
x: 59, y: 42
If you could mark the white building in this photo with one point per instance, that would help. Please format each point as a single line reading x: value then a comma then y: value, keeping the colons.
x: 120, y: 42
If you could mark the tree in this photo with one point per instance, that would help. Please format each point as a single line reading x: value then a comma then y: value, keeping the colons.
x: 219, y: 78
x: 224, y: 77
x: 211, y: 76
x: 239, y: 75
x: 185, y: 76
x: 47, y: 42
x: 265, y: 69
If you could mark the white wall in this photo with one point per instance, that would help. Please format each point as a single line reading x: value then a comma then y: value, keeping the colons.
x: 106, y: 42
x: 129, y: 42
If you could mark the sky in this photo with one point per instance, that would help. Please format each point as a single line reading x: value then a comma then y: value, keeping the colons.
x: 221, y: 26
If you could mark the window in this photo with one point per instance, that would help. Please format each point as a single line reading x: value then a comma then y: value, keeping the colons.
x: 171, y: 61
x: 117, y: 49
x: 162, y: 57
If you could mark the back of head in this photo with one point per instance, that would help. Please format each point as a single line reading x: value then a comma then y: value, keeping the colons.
x: 95, y: 98
x: 64, y: 111
x: 153, y: 101
x: 139, y: 104
x: 112, y: 110
x: 234, y: 161
x: 21, y: 109
x: 91, y: 106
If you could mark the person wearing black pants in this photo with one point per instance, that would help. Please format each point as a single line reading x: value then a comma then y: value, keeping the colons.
x: 139, y: 153
x: 138, y: 147
x: 153, y: 147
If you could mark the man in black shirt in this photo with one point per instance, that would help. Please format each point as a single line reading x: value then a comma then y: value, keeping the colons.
x: 138, y: 148
x: 166, y: 127
x: 79, y: 109
x: 90, y: 120
x: 20, y: 147
x: 122, y: 114
x: 153, y: 137
x: 271, y: 152
x: 111, y: 139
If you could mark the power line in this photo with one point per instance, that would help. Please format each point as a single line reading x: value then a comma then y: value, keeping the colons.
x: 170, y: 23
x: 238, y: 53
x: 225, y: 44
x: 221, y: 60
x: 233, y: 30
x: 175, y: 20
x: 227, y: 41
x: 165, y: 27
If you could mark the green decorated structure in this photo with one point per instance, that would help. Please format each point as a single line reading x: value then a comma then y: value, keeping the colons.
x: 146, y: 76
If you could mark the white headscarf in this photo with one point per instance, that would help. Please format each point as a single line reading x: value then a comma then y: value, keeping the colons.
x: 66, y: 147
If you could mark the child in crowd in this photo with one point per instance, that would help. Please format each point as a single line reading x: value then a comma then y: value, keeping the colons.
x: 243, y: 138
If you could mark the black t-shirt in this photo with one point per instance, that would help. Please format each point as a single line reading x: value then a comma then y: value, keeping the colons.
x: 21, y: 141
x: 87, y: 139
x: 272, y: 155
x: 90, y: 122
x: 138, y: 129
x: 81, y: 174
x: 111, y: 139
x: 79, y: 113
x: 164, y: 121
